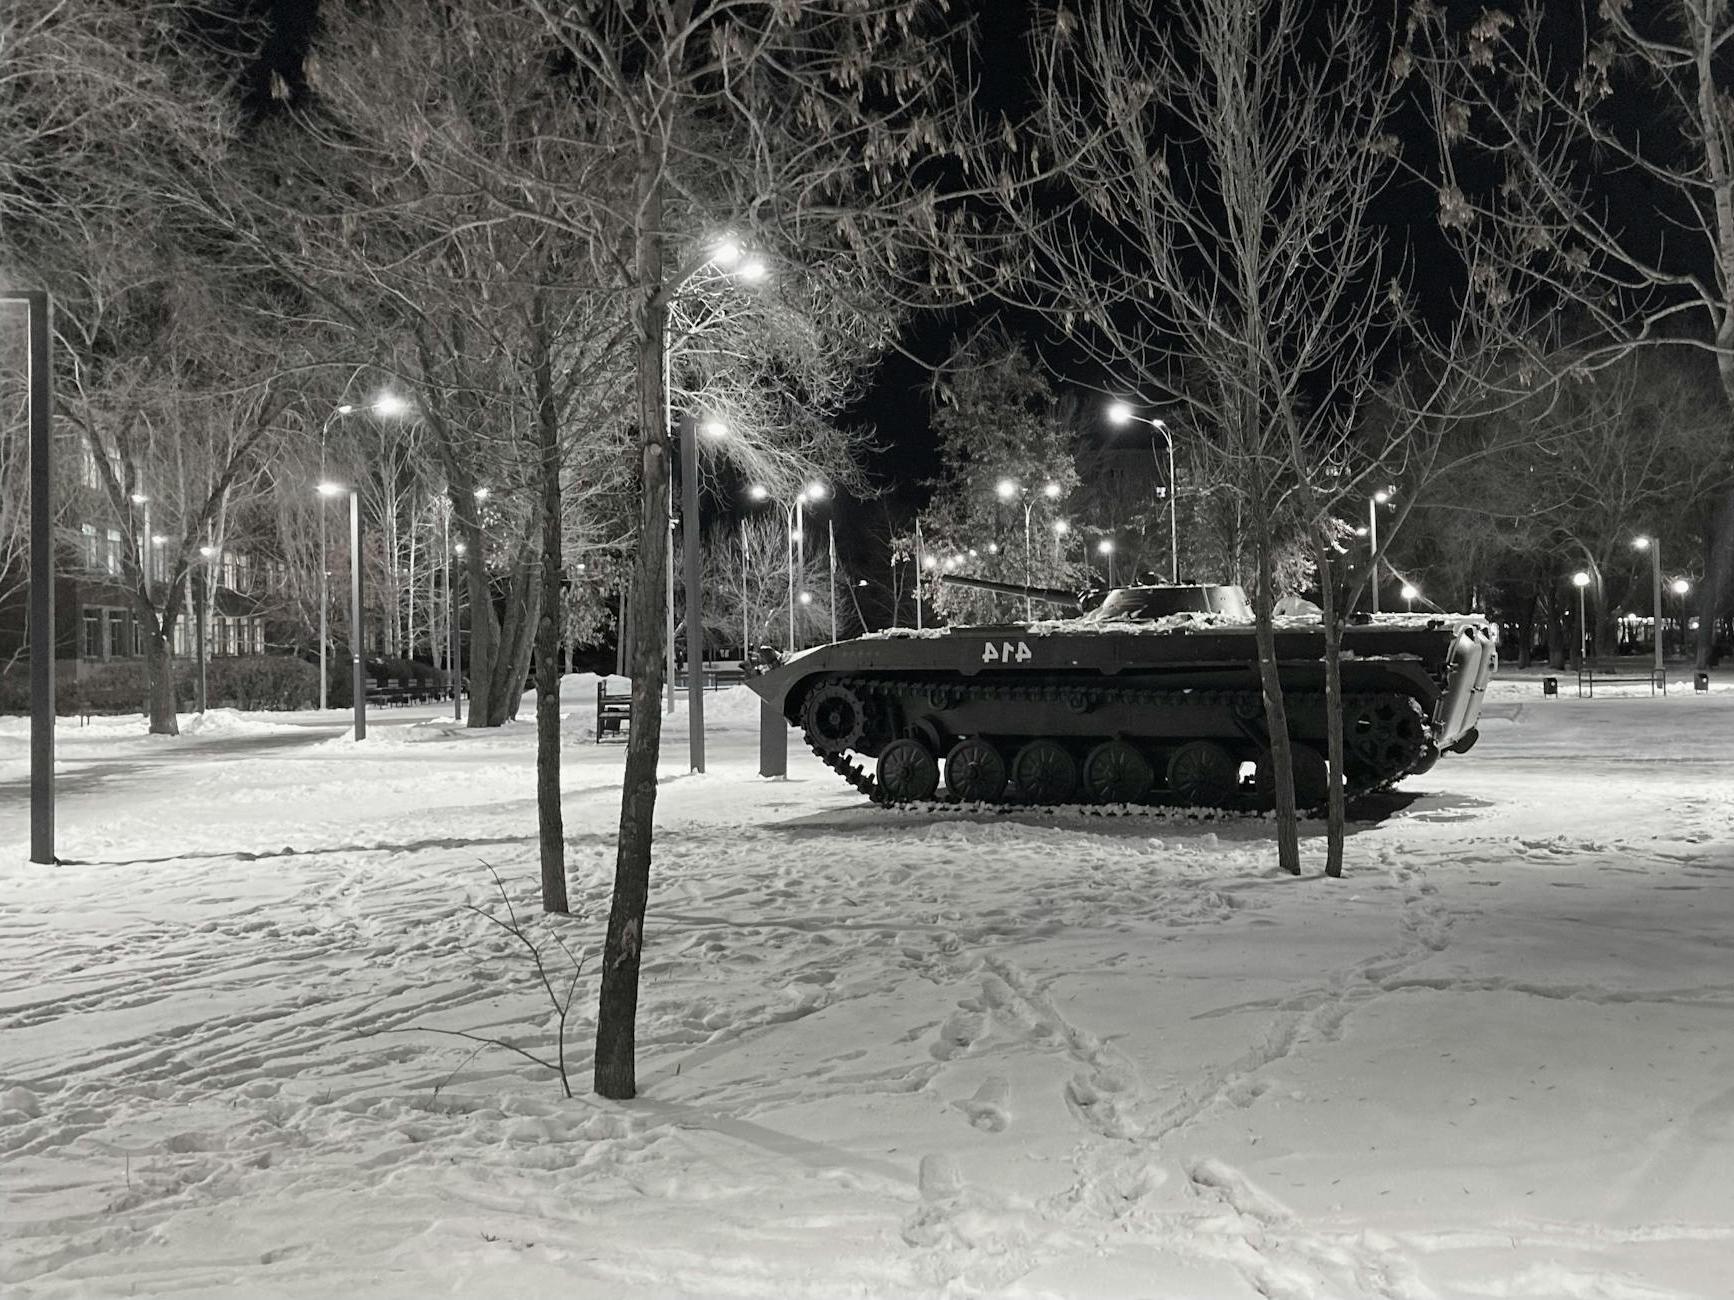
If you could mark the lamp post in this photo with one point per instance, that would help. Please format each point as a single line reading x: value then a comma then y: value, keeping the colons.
x: 1106, y: 547
x: 453, y: 613
x: 694, y: 582
x: 1009, y: 490
x: 1409, y: 593
x: 201, y: 596
x: 918, y: 564
x: 1654, y: 546
x: 1681, y: 587
x: 1379, y: 499
x: 831, y: 549
x: 1580, y: 580
x: 39, y: 383
x: 1122, y: 413
x: 727, y: 256
x: 358, y: 670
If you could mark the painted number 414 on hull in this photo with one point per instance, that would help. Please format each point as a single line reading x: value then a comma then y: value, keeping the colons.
x: 1006, y: 652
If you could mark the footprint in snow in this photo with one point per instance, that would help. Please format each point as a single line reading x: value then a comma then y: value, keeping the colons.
x: 959, y: 1032
x: 986, y: 1110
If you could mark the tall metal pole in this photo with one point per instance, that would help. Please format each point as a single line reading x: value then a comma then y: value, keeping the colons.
x: 798, y: 541
x: 918, y: 563
x: 1173, y: 515
x: 746, y: 623
x: 201, y: 598
x: 1029, y: 604
x: 41, y: 390
x: 324, y: 608
x: 454, y: 670
x: 358, y: 674
x: 668, y: 545
x: 831, y: 547
x: 1656, y: 598
x: 694, y: 586
x: 1373, y: 537
x: 1582, y: 626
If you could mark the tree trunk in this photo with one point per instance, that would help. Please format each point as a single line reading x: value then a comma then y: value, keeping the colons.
x: 1275, y: 711
x: 160, y: 676
x: 1333, y: 626
x: 550, y: 828
x: 617, y: 1009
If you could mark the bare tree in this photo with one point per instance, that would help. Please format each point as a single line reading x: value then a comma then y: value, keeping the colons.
x: 1216, y: 247
x: 1540, y: 105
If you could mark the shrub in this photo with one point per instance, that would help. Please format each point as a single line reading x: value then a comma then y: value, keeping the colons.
x: 261, y: 682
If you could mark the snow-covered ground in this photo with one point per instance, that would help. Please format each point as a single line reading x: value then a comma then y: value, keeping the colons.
x: 881, y: 1054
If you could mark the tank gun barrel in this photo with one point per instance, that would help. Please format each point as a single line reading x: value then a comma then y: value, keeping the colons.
x: 1049, y: 595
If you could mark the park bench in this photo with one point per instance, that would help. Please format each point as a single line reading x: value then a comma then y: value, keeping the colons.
x: 1590, y: 677
x: 613, y: 712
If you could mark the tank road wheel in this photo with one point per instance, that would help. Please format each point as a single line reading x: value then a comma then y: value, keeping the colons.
x: 1384, y: 734
x: 1044, y: 772
x: 1203, y: 772
x: 835, y: 718
x: 907, y: 772
x: 1312, y: 777
x: 974, y: 771
x: 1115, y: 772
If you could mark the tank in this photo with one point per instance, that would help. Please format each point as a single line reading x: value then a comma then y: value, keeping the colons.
x: 1136, y: 695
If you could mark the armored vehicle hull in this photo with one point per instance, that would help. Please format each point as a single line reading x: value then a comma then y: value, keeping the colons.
x: 1101, y: 710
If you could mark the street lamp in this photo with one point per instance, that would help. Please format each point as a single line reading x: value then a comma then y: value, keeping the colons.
x: 1379, y: 499
x: 727, y: 256
x: 1681, y: 587
x: 1008, y: 490
x: 201, y: 595
x: 1580, y: 580
x: 387, y: 404
x: 1122, y: 413
x: 1106, y: 547
x: 358, y: 672
x: 1654, y: 546
x: 1409, y: 593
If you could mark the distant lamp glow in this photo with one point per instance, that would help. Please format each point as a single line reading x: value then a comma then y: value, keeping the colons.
x: 1409, y: 592
x: 1061, y: 527
x: 1104, y: 547
x: 1119, y: 412
x: 759, y: 492
x: 726, y: 254
x: 1681, y: 586
x: 139, y: 498
x: 1640, y: 543
x: 806, y: 598
x: 931, y: 563
x: 993, y: 548
x: 952, y: 561
x: 460, y: 547
x: 753, y: 269
x: 1361, y: 531
x: 482, y: 494
x: 1381, y: 496
x: 346, y: 409
x: 207, y: 551
x: 815, y: 491
x: 973, y: 553
x: 1007, y: 489
x: 158, y: 540
x: 329, y: 489
x: 1580, y: 579
x: 1052, y: 491
x: 389, y: 404
x: 714, y: 429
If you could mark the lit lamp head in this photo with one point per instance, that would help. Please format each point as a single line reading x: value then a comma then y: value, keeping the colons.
x: 726, y: 254
x: 1580, y: 579
x: 753, y: 270
x: 346, y: 409
x: 1681, y: 586
x: 482, y: 494
x: 759, y: 492
x: 1640, y: 543
x: 458, y: 548
x: 1061, y: 527
x: 389, y: 405
x: 1382, y: 495
x: 139, y: 498
x: 1119, y: 412
x: 1006, y: 488
x: 158, y: 539
x: 1052, y: 491
x: 1104, y: 547
x: 931, y: 563
x: 207, y: 551
x: 714, y: 429
x: 1409, y: 592
x: 806, y: 598
x: 330, y: 489
x: 993, y: 548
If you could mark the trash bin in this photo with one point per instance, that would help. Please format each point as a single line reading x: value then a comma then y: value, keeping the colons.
x: 1700, y: 681
x: 1550, y: 686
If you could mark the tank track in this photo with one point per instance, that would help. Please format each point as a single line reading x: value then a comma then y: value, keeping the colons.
x: 1246, y: 703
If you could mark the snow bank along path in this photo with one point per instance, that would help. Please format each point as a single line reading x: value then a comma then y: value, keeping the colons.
x: 881, y: 1054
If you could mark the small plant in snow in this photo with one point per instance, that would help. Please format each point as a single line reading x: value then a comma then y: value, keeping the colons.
x: 559, y: 981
